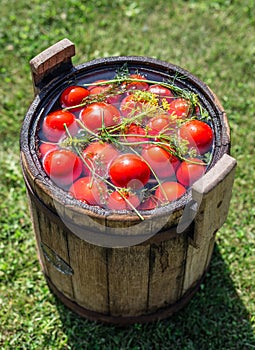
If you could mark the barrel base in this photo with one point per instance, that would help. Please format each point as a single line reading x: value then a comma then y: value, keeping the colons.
x: 126, y: 320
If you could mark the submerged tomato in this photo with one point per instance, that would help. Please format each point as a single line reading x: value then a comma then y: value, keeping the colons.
x: 135, y: 135
x: 99, y: 114
x: 122, y: 201
x: 94, y: 84
x: 98, y: 89
x: 158, y: 159
x: 53, y: 126
x: 161, y: 123
x: 98, y: 156
x: 162, y: 92
x: 130, y: 106
x: 72, y: 96
x: 103, y: 89
x: 148, y: 203
x: 89, y: 190
x: 129, y: 170
x: 180, y: 107
x: 162, y: 162
x: 190, y: 171
x: 169, y: 191
x: 45, y: 148
x: 62, y: 166
x: 198, y: 134
x: 136, y: 85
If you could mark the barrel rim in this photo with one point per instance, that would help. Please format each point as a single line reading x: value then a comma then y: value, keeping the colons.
x: 29, y: 129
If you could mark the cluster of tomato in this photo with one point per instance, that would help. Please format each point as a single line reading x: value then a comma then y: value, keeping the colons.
x: 118, y: 147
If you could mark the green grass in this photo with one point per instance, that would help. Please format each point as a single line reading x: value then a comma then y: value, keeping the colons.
x: 213, y: 40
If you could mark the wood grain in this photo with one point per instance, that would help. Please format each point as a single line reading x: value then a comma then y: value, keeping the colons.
x: 214, y: 192
x: 49, y: 60
x: 49, y: 234
x: 128, y: 271
x: 167, y: 266
x: 90, y: 285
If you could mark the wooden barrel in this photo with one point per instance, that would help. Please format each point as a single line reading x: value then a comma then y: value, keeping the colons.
x: 110, y: 266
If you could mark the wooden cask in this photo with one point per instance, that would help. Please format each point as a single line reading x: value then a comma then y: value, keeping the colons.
x: 110, y: 266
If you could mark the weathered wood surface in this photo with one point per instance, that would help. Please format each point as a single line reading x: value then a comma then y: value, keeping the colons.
x: 49, y: 235
x: 49, y: 60
x: 212, y: 193
x: 128, y: 271
x: 89, y: 280
x: 167, y: 267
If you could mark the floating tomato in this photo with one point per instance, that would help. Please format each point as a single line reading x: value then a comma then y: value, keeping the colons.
x: 129, y: 170
x: 169, y: 191
x: 73, y: 96
x: 63, y: 166
x: 55, y: 123
x: 190, y: 171
x: 98, y: 115
x: 198, y: 134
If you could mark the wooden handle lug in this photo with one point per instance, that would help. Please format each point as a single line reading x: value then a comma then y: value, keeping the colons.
x: 210, y: 202
x: 50, y: 62
x: 213, y: 191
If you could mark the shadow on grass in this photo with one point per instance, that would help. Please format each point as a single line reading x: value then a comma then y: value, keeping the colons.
x: 214, y: 319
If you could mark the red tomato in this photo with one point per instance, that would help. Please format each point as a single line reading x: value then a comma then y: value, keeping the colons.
x: 102, y: 89
x: 99, y: 156
x: 134, y: 133
x: 188, y: 172
x: 98, y: 114
x: 169, y: 191
x: 180, y: 108
x: 45, y: 148
x: 72, y: 96
x: 136, y: 85
x: 129, y: 170
x: 162, y: 162
x: 161, y: 124
x: 198, y: 134
x: 130, y: 107
x: 114, y: 99
x: 124, y: 201
x: 94, y: 84
x: 89, y: 190
x: 53, y: 125
x: 148, y: 204
x: 62, y: 166
x: 99, y: 89
x: 162, y: 92
x: 197, y: 110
